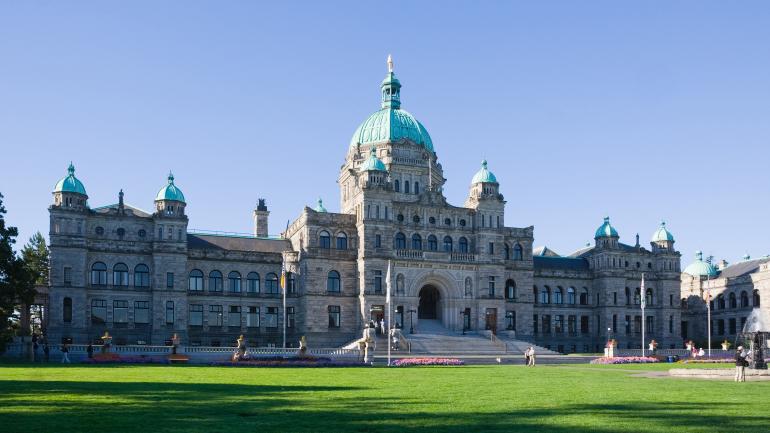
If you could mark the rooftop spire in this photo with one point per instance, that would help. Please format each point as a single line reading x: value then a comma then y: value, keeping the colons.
x: 170, y: 177
x: 71, y: 169
x: 390, y: 63
x: 391, y: 88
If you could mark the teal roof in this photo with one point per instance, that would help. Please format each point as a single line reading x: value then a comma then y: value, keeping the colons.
x: 391, y: 123
x: 372, y: 163
x: 700, y: 268
x: 606, y: 230
x: 662, y: 234
x: 484, y: 175
x: 70, y: 183
x: 320, y: 207
x: 170, y: 191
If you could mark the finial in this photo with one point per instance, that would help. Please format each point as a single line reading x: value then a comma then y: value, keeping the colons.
x: 390, y: 63
x: 320, y: 202
x: 699, y: 255
x: 71, y: 169
x: 662, y: 223
x: 607, y: 219
x: 484, y: 163
x: 170, y: 177
x: 373, y: 152
x: 120, y: 198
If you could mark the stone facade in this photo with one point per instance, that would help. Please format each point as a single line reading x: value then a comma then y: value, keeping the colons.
x: 459, y: 265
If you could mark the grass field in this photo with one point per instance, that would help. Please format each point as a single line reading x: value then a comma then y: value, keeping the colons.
x: 574, y: 398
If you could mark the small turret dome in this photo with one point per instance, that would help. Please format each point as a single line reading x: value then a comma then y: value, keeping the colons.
x: 170, y: 191
x: 70, y: 183
x: 372, y: 163
x: 484, y: 175
x: 320, y: 207
x: 700, y: 268
x: 606, y: 230
x: 662, y: 234
x: 391, y: 123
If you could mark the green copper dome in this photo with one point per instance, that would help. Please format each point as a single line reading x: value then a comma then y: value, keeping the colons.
x: 372, y: 163
x: 662, y: 234
x: 320, y: 207
x: 484, y: 175
x: 170, y: 191
x: 391, y: 123
x: 70, y: 183
x: 700, y: 268
x: 606, y: 230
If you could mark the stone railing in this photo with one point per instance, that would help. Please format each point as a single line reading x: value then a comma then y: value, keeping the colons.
x: 463, y: 257
x: 682, y: 353
x: 403, y: 342
x: 409, y: 254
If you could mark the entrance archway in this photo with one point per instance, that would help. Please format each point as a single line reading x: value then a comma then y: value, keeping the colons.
x: 429, y: 301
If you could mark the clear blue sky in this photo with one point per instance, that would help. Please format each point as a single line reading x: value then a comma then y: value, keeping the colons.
x: 584, y: 109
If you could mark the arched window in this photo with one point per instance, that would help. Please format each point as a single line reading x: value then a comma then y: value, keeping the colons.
x: 252, y: 284
x: 535, y: 292
x: 637, y: 296
x: 648, y: 297
x: 571, y: 295
x: 120, y: 274
x: 584, y: 296
x: 628, y: 297
x: 399, y: 242
x: 271, y: 283
x: 333, y: 282
x: 416, y: 242
x: 234, y: 282
x: 342, y: 241
x: 545, y: 295
x: 518, y: 252
x: 463, y: 245
x: 67, y: 310
x: 215, y: 281
x: 558, y: 296
x: 324, y: 239
x: 744, y: 299
x: 733, y: 301
x: 196, y: 280
x: 756, y: 298
x: 432, y: 243
x: 396, y: 186
x: 141, y: 275
x: 510, y: 289
x: 417, y: 187
x: 448, y: 244
x: 406, y: 187
x: 721, y: 302
x: 506, y: 252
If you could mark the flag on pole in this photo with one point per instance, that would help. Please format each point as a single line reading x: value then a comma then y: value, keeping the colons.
x: 390, y: 309
x: 643, y: 294
x: 283, y: 292
x: 387, y: 284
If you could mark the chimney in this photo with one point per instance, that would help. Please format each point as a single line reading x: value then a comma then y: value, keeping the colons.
x: 260, y: 219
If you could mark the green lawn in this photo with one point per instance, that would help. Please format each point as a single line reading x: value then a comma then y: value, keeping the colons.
x: 575, y: 398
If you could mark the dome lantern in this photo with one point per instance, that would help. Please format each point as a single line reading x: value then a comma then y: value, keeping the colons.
x: 606, y: 230
x: 372, y: 163
x: 170, y: 201
x: 69, y: 191
x: 484, y: 175
x: 320, y: 207
x: 700, y: 267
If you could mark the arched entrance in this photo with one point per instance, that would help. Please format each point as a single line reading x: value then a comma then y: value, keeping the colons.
x: 429, y: 301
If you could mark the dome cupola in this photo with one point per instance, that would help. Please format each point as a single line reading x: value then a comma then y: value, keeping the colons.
x: 606, y: 230
x: 372, y: 163
x: 484, y: 175
x: 320, y: 207
x: 662, y: 234
x: 70, y: 183
x: 700, y: 267
x: 170, y: 191
x: 391, y: 123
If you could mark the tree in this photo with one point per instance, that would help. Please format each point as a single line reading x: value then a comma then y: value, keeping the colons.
x: 35, y: 256
x: 16, y: 281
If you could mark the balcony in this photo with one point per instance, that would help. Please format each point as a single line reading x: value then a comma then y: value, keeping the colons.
x: 409, y: 254
x: 463, y: 257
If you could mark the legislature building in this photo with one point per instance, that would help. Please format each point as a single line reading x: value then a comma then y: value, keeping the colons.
x: 144, y: 276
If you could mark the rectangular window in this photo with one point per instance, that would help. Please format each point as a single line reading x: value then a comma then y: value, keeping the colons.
x: 650, y: 325
x: 377, y: 241
x: 721, y: 327
x: 614, y: 298
x: 215, y: 315
x: 670, y: 324
x: 491, y: 287
x: 671, y: 300
x: 196, y: 315
x: 572, y: 325
x: 120, y: 311
x: 98, y: 311
x: 234, y: 316
x: 169, y: 312
x: 378, y: 211
x: 334, y: 316
x: 271, y: 317
x: 252, y: 318
x: 289, y: 317
x: 67, y: 276
x: 534, y: 324
x: 558, y: 325
x: 169, y: 280
x: 637, y: 324
x: 491, y: 248
x: 614, y: 323
x: 546, y: 324
x: 628, y: 325
x: 510, y: 320
x: 377, y: 282
x: 743, y: 322
x: 584, y: 324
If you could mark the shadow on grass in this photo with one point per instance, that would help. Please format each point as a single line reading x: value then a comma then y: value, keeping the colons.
x: 61, y: 406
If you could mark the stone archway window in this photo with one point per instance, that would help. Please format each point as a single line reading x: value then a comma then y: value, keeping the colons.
x: 342, y: 241
x: 432, y: 243
x: 399, y: 242
x: 510, y: 289
x: 518, y: 252
x: 463, y: 245
x: 744, y: 299
x: 448, y: 244
x: 416, y: 242
x: 733, y: 301
x: 756, y: 298
x: 571, y: 295
x: 324, y: 240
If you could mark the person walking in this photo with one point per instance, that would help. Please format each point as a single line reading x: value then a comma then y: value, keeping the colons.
x: 532, y: 356
x: 65, y: 350
x: 740, y: 365
x: 90, y: 351
x: 526, y: 356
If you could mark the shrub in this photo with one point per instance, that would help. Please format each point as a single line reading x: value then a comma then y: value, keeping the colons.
x: 625, y: 360
x: 411, y: 362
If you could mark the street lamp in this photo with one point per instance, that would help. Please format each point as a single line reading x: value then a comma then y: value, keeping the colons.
x: 411, y: 320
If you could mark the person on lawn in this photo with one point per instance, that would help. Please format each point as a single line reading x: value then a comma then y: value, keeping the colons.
x: 740, y: 365
x: 65, y: 351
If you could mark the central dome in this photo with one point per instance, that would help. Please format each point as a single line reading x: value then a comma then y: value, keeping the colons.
x: 391, y: 123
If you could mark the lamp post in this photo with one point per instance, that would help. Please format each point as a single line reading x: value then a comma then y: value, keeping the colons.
x: 462, y: 318
x: 411, y: 320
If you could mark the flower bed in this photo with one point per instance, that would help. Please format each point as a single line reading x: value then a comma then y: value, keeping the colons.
x: 625, y: 360
x: 288, y: 362
x: 720, y: 359
x: 128, y: 360
x: 411, y: 362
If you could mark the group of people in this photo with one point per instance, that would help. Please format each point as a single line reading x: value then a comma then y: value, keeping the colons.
x: 529, y: 356
x: 39, y: 341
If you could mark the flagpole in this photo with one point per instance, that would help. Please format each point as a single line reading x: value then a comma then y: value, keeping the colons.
x: 283, y: 287
x: 708, y: 308
x: 388, y: 306
x: 643, y: 302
